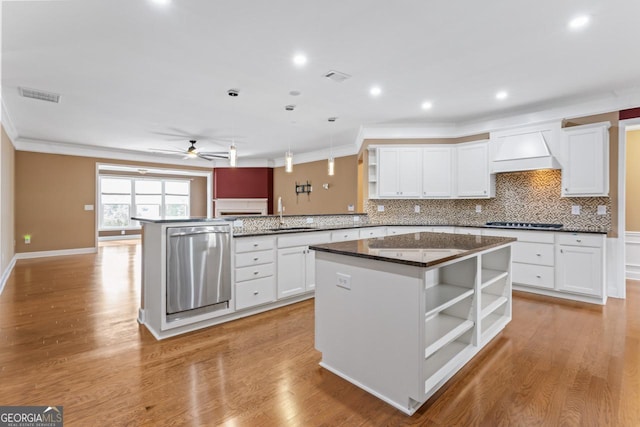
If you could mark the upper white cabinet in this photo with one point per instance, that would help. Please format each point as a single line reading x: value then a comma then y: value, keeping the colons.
x: 431, y: 171
x: 437, y: 167
x: 585, y: 153
x: 473, y: 177
x: 399, y: 172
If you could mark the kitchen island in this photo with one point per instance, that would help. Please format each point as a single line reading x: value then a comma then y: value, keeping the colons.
x: 399, y: 316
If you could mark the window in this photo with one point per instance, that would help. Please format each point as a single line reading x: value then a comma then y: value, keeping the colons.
x: 124, y: 197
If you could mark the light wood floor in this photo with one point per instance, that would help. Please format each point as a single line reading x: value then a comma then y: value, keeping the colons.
x: 68, y: 336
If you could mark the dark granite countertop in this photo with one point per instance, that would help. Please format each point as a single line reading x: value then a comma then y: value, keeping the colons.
x: 441, y: 247
x: 178, y: 220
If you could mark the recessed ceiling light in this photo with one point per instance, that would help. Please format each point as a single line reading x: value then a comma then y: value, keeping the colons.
x: 426, y: 105
x: 579, y: 22
x: 502, y: 95
x: 161, y: 2
x: 299, y: 60
x: 375, y: 91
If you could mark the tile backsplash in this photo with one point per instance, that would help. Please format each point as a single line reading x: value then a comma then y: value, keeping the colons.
x: 532, y: 196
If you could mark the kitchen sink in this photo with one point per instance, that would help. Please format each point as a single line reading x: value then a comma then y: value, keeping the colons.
x: 291, y: 228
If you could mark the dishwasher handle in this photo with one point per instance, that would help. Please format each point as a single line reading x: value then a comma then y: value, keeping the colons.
x: 193, y: 231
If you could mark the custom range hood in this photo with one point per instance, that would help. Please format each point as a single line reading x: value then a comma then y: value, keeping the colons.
x: 524, y: 150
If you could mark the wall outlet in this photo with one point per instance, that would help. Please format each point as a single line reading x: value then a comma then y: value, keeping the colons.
x: 351, y: 208
x: 122, y: 232
x: 478, y: 208
x: 238, y: 223
x: 343, y: 280
x: 575, y: 210
x: 356, y: 218
x: 88, y: 207
x: 380, y: 208
x: 602, y: 210
x: 27, y: 239
x: 309, y: 220
x: 416, y: 208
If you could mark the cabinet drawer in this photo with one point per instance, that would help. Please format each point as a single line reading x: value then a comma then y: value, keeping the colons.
x: 344, y: 235
x: 254, y: 258
x: 255, y: 292
x: 533, y: 253
x: 254, y: 272
x: 539, y: 276
x: 246, y: 244
x: 367, y: 233
x: 577, y: 239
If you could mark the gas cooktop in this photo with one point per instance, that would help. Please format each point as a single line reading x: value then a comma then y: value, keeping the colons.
x: 525, y: 225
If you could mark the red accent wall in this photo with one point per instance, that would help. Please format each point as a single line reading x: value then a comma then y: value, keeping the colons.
x: 631, y: 113
x: 244, y: 183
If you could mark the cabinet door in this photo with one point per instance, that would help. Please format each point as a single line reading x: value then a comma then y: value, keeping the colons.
x: 388, y: 173
x: 586, y: 161
x: 410, y: 172
x: 473, y: 171
x: 291, y: 271
x: 579, y: 270
x: 437, y: 164
x: 310, y: 269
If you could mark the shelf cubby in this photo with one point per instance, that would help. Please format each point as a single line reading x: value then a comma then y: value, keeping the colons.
x: 442, y: 296
x: 490, y: 303
x: 445, y: 360
x: 442, y: 329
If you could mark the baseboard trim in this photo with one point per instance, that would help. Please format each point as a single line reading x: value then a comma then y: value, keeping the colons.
x: 6, y: 273
x: 62, y: 252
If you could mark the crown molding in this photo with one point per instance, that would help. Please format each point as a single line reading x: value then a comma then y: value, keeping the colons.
x: 7, y: 123
x: 613, y: 101
x: 314, y: 156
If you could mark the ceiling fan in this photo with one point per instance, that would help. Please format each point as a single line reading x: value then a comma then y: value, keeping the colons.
x: 192, y: 152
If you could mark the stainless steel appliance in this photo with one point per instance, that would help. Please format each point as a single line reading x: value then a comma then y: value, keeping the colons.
x: 525, y: 225
x: 198, y: 269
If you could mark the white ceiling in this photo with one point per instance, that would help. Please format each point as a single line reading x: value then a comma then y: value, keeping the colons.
x: 134, y: 75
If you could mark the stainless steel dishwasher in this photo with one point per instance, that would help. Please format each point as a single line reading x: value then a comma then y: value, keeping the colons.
x: 198, y: 269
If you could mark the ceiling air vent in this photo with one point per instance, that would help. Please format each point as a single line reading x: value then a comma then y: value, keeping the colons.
x: 337, y: 76
x: 39, y: 94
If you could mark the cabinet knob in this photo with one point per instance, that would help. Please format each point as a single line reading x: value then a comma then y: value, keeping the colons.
x: 566, y: 189
x: 255, y: 245
x: 538, y: 276
x: 485, y: 191
x: 578, y: 240
x: 345, y: 236
x: 255, y: 292
x: 538, y: 254
x: 255, y: 259
x: 561, y: 251
x: 255, y: 272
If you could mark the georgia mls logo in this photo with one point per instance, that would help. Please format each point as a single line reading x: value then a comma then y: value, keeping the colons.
x: 31, y: 416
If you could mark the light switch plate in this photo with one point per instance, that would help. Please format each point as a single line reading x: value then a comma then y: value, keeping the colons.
x: 602, y: 210
x: 478, y: 208
x: 351, y: 208
x: 309, y: 220
x: 356, y: 218
x: 238, y: 223
x: 380, y: 208
x: 416, y: 208
x: 88, y: 207
x: 575, y: 210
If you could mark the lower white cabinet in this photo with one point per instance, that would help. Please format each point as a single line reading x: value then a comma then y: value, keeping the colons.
x: 255, y: 292
x: 254, y: 273
x: 296, y: 271
x: 579, y: 270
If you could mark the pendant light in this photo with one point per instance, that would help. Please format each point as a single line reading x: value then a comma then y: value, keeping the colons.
x: 288, y: 156
x: 331, y: 164
x: 233, y: 152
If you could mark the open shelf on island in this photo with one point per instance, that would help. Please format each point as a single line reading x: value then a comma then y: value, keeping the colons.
x: 443, y: 362
x: 441, y: 329
x: 490, y: 276
x: 443, y: 295
x: 490, y: 303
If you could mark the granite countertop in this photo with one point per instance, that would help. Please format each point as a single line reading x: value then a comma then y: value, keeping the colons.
x: 179, y: 220
x: 440, y: 247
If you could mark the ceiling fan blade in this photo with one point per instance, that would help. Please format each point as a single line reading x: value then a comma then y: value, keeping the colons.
x: 159, y: 150
x: 209, y: 156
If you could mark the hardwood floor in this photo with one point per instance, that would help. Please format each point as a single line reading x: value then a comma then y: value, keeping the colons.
x: 68, y: 336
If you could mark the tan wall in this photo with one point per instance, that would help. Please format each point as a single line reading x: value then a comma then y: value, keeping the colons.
x: 7, y: 200
x: 342, y: 190
x: 51, y: 191
x: 632, y: 202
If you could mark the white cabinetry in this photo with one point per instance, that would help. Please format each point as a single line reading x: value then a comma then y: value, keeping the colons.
x: 580, y: 264
x: 437, y: 171
x: 254, y: 271
x: 399, y: 172
x: 296, y: 263
x: 473, y: 177
x: 585, y: 152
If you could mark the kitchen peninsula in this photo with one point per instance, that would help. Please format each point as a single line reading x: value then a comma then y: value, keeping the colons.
x: 398, y: 316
